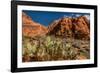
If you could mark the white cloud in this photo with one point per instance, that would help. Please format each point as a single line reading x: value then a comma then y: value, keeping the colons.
x: 87, y: 16
x: 67, y: 16
x: 72, y: 14
x: 77, y: 15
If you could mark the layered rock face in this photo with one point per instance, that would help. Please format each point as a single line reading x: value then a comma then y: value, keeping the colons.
x: 78, y: 27
x: 82, y: 28
x: 70, y: 27
x: 31, y: 28
x: 61, y: 27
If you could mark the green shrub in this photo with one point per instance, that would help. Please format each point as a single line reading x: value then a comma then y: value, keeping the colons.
x: 46, y: 48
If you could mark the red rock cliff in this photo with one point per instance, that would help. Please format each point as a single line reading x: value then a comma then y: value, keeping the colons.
x: 31, y: 28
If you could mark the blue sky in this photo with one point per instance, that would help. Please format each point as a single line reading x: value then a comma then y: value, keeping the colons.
x: 45, y: 17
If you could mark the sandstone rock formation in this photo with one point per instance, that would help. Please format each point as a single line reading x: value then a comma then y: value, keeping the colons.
x: 82, y: 28
x: 31, y: 28
x: 78, y: 27
x: 70, y: 27
x: 61, y: 27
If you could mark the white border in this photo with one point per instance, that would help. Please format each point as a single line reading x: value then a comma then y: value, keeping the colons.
x: 53, y: 63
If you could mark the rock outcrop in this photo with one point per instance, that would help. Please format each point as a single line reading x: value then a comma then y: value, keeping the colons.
x: 78, y: 27
x: 81, y: 28
x: 31, y: 28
